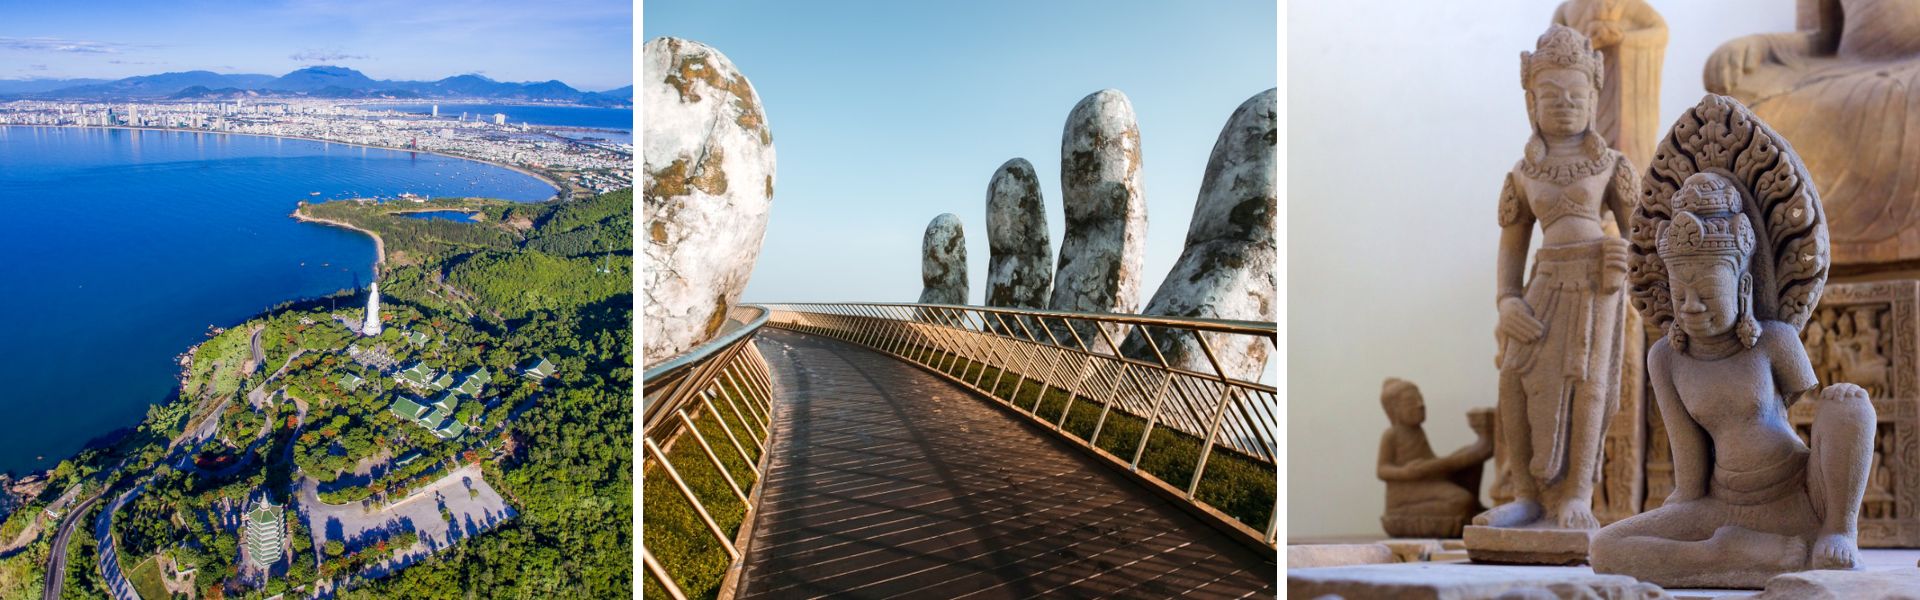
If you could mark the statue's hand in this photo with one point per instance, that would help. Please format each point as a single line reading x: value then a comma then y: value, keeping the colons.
x: 1517, y: 322
x: 1605, y: 34
x: 1613, y: 269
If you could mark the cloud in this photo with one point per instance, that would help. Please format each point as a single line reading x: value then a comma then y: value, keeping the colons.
x: 37, y: 67
x: 131, y: 62
x: 47, y: 44
x: 311, y: 55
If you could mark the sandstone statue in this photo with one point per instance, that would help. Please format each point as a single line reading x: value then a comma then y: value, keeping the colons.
x: 943, y: 262
x: 1847, y: 93
x: 1227, y: 269
x: 1428, y: 496
x: 1106, y: 210
x: 1632, y: 40
x: 1561, y: 329
x: 707, y: 184
x: 1020, y: 266
x: 1730, y: 259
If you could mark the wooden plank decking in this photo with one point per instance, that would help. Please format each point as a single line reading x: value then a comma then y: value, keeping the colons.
x: 886, y: 481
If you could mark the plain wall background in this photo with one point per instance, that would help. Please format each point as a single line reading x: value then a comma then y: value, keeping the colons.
x: 1405, y: 115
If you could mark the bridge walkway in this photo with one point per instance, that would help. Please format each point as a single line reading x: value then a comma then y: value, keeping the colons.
x: 887, y: 481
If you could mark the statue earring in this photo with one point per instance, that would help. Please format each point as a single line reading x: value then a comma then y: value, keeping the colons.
x: 1749, y: 326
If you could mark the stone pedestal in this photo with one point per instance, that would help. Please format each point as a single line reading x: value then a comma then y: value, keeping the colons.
x: 1462, y: 581
x: 1503, y: 545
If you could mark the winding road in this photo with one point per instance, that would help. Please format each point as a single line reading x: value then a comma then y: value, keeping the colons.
x: 57, y: 561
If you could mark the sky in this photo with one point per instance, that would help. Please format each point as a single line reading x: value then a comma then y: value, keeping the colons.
x: 887, y: 114
x: 587, y: 44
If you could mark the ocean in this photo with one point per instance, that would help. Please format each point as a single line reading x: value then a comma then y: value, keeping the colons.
x: 123, y: 246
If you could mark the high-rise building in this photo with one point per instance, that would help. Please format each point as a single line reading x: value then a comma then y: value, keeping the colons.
x: 371, y: 327
x: 499, y: 119
x: 436, y: 111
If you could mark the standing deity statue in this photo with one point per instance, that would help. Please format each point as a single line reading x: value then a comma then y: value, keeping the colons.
x: 1632, y: 40
x: 1729, y: 258
x: 1561, y: 333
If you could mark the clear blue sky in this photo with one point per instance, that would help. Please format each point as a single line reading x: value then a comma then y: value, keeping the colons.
x: 885, y: 114
x: 587, y: 44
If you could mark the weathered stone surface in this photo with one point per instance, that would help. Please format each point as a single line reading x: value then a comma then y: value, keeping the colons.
x: 1895, y: 584
x: 1428, y: 495
x: 1543, y: 546
x: 1457, y: 581
x: 1020, y: 266
x: 1561, y: 325
x: 707, y: 183
x: 1308, y: 556
x: 1729, y: 260
x: 1227, y: 269
x: 943, y: 262
x: 1106, y: 209
x: 1405, y: 550
x: 1845, y: 89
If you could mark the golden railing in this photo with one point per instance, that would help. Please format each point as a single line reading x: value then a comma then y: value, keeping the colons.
x: 1105, y: 383
x: 721, y: 387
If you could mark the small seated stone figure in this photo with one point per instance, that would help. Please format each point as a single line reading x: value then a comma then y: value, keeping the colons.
x: 1730, y: 262
x: 1428, y: 496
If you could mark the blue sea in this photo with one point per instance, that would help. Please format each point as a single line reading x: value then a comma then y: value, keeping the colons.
x: 618, y: 121
x: 123, y: 246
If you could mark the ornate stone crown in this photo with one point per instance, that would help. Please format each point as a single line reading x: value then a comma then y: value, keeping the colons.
x: 1562, y: 48
x: 1708, y: 222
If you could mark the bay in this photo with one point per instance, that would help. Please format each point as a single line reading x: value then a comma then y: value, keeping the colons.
x: 121, y: 247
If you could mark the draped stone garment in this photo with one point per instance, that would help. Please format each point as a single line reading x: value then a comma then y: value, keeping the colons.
x: 1852, y: 112
x: 1579, y: 352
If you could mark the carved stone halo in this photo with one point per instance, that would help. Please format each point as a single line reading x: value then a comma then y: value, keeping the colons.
x: 1790, y: 258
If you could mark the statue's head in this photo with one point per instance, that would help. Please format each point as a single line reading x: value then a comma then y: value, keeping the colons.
x: 1403, y: 402
x: 1562, y: 77
x: 1707, y: 249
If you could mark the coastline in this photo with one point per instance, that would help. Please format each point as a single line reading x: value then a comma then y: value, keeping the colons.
x: 557, y: 188
x: 379, y: 245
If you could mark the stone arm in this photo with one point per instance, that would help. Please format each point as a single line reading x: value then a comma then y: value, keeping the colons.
x: 1757, y: 66
x: 1414, y: 470
x: 1632, y: 25
x: 1469, y: 455
x: 1623, y: 190
x: 1691, y: 448
x: 1516, y: 236
x: 1793, y: 372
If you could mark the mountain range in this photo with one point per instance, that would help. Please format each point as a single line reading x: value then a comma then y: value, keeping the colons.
x: 309, y: 82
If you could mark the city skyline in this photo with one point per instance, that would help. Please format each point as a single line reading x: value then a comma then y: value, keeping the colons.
x: 384, y: 39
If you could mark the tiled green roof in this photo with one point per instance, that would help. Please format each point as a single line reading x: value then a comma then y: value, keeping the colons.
x: 538, y: 368
x: 407, y: 408
x: 349, y: 381
x: 473, y: 382
x: 447, y: 403
x: 442, y: 382
x: 449, y: 429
